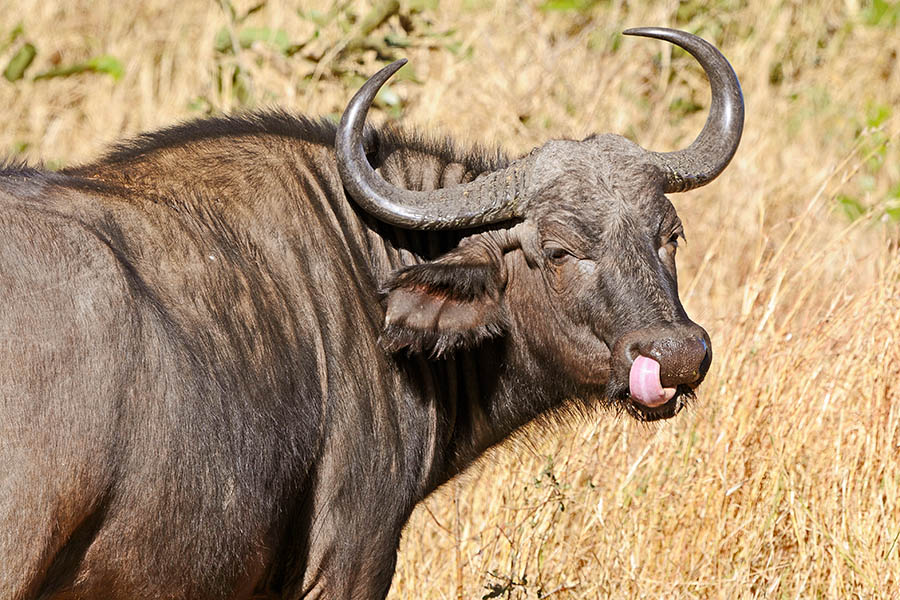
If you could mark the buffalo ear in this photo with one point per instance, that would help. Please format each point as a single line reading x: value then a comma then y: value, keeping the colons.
x: 453, y: 302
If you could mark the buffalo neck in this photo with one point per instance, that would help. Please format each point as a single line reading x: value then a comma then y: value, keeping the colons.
x: 478, y: 396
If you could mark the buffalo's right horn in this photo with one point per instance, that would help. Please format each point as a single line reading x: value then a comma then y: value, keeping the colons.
x: 494, y: 197
x: 710, y: 153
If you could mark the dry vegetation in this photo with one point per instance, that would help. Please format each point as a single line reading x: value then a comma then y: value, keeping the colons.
x: 783, y: 480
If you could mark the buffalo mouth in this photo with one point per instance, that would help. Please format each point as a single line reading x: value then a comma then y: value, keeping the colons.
x: 667, y: 410
x: 656, y: 369
x: 619, y: 394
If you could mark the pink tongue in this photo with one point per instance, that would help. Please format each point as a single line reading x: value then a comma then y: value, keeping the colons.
x: 643, y: 381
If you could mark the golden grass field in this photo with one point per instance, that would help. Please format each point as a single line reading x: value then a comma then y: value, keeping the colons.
x: 783, y: 478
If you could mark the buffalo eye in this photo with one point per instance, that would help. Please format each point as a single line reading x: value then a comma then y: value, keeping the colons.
x: 556, y: 254
x: 670, y: 247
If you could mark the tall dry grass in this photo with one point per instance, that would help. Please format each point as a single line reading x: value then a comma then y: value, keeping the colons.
x: 782, y: 480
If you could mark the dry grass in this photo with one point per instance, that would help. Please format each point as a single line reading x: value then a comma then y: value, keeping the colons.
x: 783, y: 479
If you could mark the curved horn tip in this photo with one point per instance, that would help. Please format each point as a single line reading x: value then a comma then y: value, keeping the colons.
x: 388, y: 71
x: 394, y: 66
x: 654, y: 32
x: 680, y: 38
x: 371, y: 87
x: 366, y: 93
x: 713, y: 149
x: 353, y: 119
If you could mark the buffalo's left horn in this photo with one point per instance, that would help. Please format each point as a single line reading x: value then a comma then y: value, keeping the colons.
x: 494, y: 197
x: 710, y: 153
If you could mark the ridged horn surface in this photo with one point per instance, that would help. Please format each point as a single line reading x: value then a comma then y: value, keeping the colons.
x: 494, y: 197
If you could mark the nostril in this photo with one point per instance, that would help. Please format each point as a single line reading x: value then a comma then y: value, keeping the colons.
x: 707, y: 358
x: 632, y: 351
x: 697, y: 357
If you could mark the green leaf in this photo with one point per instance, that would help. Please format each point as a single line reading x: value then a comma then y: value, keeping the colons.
x: 567, y: 5
x: 877, y: 114
x: 106, y: 63
x: 397, y: 41
x: 851, y: 207
x: 892, y: 210
x: 20, y: 61
x: 882, y: 13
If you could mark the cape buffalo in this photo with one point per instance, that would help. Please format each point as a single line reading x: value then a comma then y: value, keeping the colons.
x: 234, y: 354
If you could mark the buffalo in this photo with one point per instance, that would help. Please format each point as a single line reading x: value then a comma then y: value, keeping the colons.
x: 235, y: 353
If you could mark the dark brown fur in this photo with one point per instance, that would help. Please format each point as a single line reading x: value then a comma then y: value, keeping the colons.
x: 219, y: 378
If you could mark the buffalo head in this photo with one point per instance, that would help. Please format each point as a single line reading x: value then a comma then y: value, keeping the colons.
x: 573, y: 257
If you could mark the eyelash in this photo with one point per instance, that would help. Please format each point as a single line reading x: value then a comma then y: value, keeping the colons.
x: 555, y: 254
x: 673, y: 238
x: 671, y: 245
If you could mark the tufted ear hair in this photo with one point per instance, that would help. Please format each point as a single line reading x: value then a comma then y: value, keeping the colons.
x: 450, y: 303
